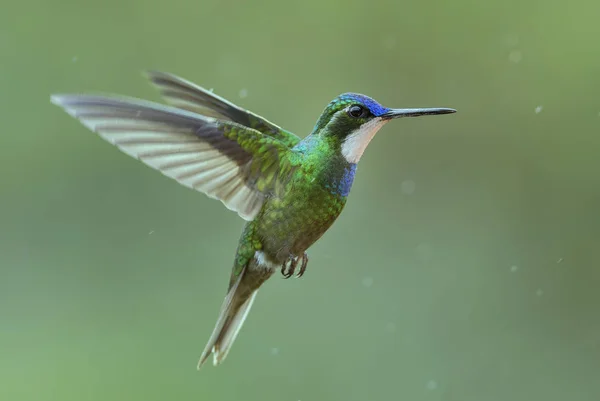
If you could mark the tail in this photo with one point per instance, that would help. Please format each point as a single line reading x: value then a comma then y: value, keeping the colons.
x: 234, y: 311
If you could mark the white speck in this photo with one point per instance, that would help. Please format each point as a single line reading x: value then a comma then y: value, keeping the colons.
x: 389, y: 42
x: 390, y: 327
x: 367, y: 281
x: 432, y: 385
x: 538, y: 109
x: 559, y: 260
x: 243, y: 93
x: 539, y: 292
x: 74, y: 59
x: 274, y: 351
x: 514, y: 268
x: 151, y: 232
x: 408, y: 187
x: 515, y: 56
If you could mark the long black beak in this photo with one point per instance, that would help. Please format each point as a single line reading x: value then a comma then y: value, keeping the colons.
x: 398, y: 113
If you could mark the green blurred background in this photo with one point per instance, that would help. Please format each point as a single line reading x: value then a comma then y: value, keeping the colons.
x: 464, y: 267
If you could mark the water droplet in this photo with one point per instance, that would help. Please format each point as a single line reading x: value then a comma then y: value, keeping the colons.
x: 515, y: 56
x: 367, y: 281
x: 151, y: 232
x: 74, y: 59
x: 274, y: 351
x: 538, y: 109
x: 432, y: 385
x: 559, y: 260
x: 211, y: 90
x: 514, y: 268
x: 243, y: 93
x: 408, y: 187
x: 539, y: 292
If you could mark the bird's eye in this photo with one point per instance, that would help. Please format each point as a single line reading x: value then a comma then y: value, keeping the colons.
x: 357, y: 111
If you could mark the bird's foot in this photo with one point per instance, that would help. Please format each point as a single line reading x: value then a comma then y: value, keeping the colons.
x: 288, y: 268
x: 303, y: 265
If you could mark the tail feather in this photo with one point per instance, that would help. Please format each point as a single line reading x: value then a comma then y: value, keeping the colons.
x: 234, y: 311
x: 221, y: 349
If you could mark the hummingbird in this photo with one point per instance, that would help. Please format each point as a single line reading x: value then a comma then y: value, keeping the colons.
x: 288, y: 190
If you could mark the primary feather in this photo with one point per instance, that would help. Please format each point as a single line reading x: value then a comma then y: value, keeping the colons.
x: 189, y: 96
x: 225, y: 160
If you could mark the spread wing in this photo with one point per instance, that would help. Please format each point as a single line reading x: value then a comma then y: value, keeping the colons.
x: 186, y: 95
x: 238, y: 165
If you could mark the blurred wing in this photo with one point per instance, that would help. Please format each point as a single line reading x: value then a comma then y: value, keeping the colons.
x: 235, y: 164
x: 186, y: 95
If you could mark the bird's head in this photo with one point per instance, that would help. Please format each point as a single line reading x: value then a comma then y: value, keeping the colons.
x: 353, y: 119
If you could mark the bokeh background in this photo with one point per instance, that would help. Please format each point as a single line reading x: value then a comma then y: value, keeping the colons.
x: 465, y: 266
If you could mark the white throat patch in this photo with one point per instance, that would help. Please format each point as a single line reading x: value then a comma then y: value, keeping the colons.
x: 356, y: 142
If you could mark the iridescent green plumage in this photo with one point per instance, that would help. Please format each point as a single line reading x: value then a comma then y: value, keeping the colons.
x: 290, y: 191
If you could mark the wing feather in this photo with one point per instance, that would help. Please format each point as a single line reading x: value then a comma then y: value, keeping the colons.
x: 219, y: 158
x: 189, y: 96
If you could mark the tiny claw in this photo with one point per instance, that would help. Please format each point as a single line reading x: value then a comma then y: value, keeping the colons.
x: 283, y: 272
x: 291, y: 268
x: 303, y: 265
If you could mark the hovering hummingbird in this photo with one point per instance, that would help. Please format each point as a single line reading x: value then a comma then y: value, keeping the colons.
x: 289, y: 190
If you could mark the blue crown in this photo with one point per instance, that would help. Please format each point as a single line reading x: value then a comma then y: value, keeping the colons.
x: 374, y: 107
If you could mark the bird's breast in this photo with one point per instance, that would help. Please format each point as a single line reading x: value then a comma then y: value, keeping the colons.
x: 291, y: 223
